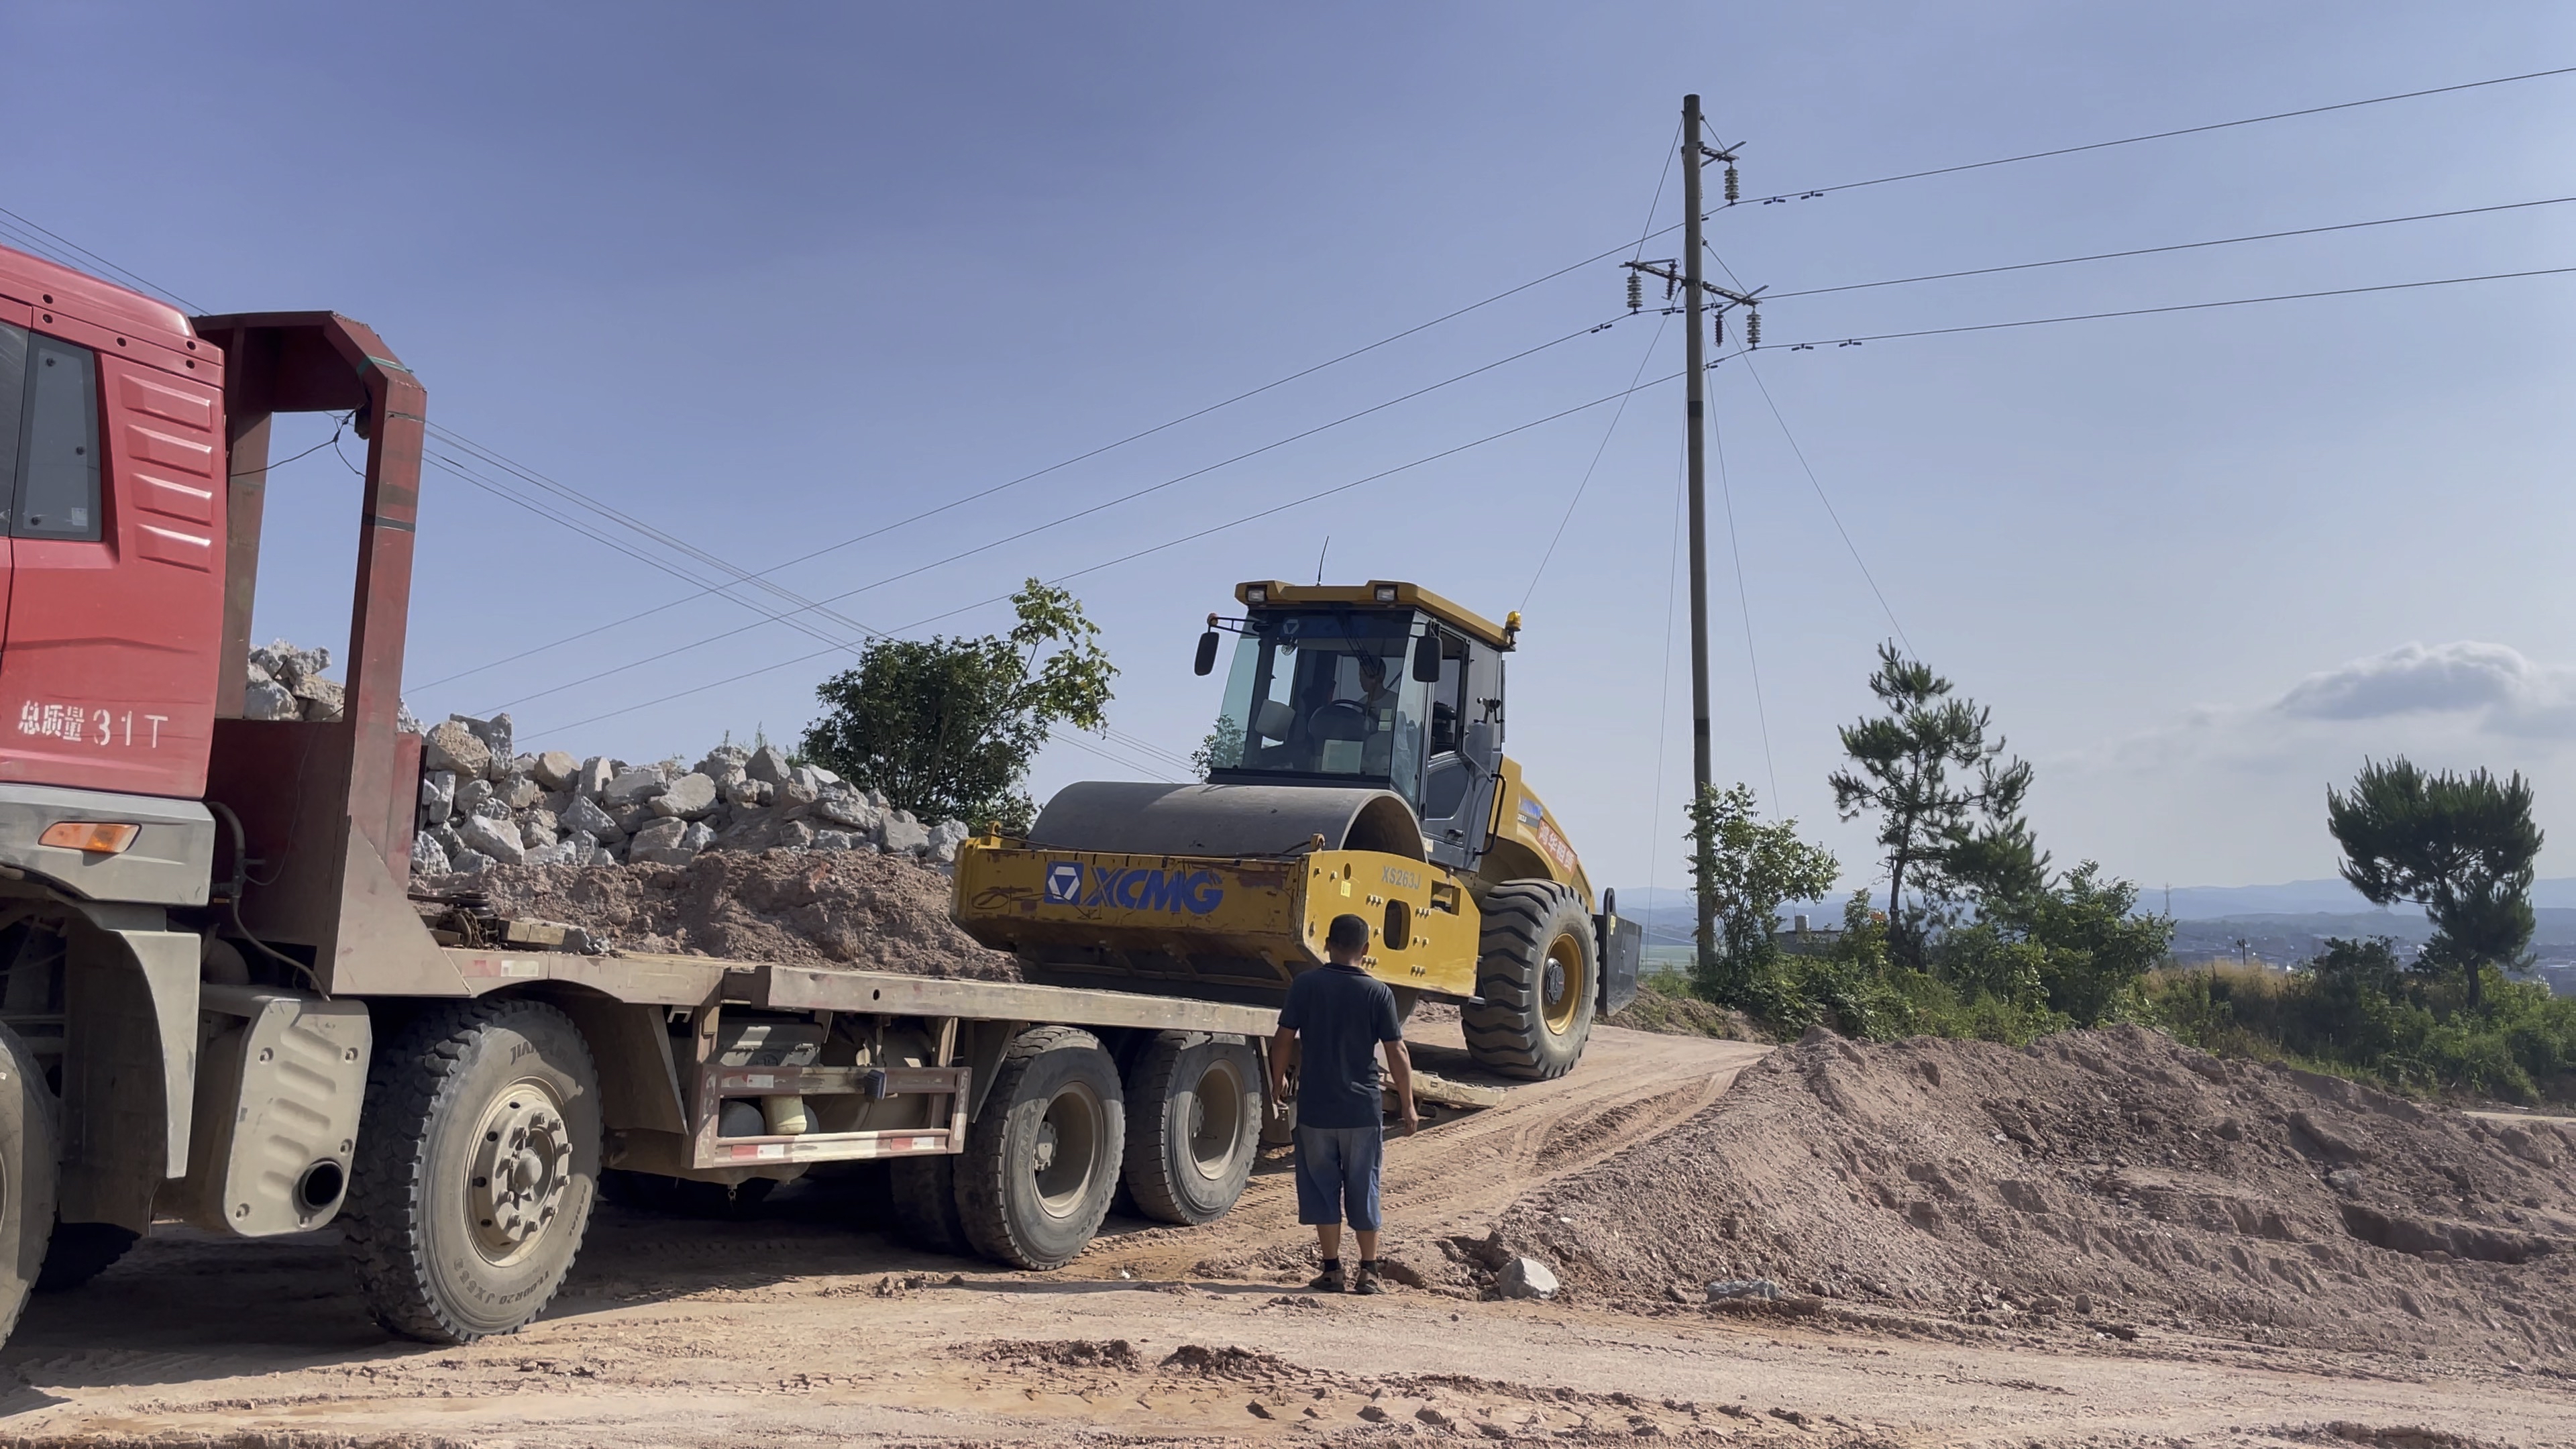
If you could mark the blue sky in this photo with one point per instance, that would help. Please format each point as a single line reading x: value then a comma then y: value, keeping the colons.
x: 770, y: 278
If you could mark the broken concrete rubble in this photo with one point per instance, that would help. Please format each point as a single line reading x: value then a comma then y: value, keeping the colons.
x: 494, y: 838
x: 452, y: 747
x: 483, y: 803
x: 690, y: 797
x: 631, y: 786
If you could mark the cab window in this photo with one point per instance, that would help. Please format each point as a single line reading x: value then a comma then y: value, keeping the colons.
x: 55, y: 492
x: 13, y: 398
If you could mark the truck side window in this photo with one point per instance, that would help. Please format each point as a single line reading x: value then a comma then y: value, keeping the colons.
x: 13, y: 396
x: 57, y: 493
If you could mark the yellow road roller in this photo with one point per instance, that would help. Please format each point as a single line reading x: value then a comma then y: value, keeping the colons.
x: 1357, y: 767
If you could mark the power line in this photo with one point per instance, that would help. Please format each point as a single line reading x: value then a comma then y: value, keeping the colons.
x: 1744, y: 603
x: 1145, y: 747
x: 1814, y: 191
x: 1077, y: 514
x: 1085, y: 456
x: 1155, y: 755
x: 1653, y: 205
x: 75, y: 247
x: 1816, y: 483
x: 1187, y: 538
x: 1830, y: 511
x: 1639, y: 247
x: 1664, y: 673
x: 2175, y: 247
x: 2176, y: 307
x: 1607, y: 434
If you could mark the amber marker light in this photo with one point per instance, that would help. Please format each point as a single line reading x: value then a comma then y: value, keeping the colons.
x: 94, y: 837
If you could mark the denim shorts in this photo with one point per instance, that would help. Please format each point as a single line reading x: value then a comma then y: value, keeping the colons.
x: 1337, y: 1175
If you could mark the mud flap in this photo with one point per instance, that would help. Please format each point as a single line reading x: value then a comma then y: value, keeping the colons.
x: 278, y: 1101
x: 1623, y: 948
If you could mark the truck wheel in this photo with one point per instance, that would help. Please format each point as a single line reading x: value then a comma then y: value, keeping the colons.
x: 1193, y: 1126
x: 80, y: 1252
x: 30, y: 1166
x: 1042, y: 1161
x: 925, y: 1204
x: 478, y: 1156
x: 1536, y: 971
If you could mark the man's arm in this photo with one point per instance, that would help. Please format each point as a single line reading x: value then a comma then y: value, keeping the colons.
x: 1399, y: 1067
x: 1283, y: 1055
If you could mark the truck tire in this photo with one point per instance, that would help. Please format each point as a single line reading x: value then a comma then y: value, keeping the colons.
x: 449, y: 1247
x: 1193, y: 1125
x: 30, y: 1170
x: 1538, y: 974
x: 925, y: 1204
x: 79, y: 1252
x: 1042, y: 1160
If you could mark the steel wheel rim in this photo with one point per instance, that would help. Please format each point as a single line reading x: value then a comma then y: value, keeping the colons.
x: 521, y: 1170
x: 1068, y: 1142
x: 1216, y: 1120
x: 1562, y: 984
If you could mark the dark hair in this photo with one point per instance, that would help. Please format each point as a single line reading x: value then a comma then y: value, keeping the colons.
x: 1347, y: 933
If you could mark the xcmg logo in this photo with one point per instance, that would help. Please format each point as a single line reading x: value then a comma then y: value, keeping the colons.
x: 1069, y: 883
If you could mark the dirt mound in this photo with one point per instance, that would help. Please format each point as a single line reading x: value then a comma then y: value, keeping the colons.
x: 852, y: 909
x: 2110, y: 1177
x: 1678, y: 1013
x: 1078, y: 1353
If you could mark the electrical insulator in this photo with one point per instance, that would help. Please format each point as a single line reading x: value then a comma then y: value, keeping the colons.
x: 1752, y: 329
x: 1672, y: 279
x: 1731, y: 191
x: 1717, y: 329
x: 1636, y: 291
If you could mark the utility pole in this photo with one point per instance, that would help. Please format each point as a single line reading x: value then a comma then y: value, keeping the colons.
x: 1695, y: 390
x: 1696, y: 292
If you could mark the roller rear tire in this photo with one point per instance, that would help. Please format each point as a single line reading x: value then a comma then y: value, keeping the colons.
x: 1193, y: 1125
x: 1539, y: 974
x: 1041, y: 1162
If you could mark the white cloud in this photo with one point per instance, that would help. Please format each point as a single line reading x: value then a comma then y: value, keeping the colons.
x: 2494, y: 683
x: 2237, y: 791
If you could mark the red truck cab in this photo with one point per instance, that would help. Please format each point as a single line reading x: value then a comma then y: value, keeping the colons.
x: 111, y: 573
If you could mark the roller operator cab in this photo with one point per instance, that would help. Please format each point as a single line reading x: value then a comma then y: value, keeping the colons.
x: 1357, y: 767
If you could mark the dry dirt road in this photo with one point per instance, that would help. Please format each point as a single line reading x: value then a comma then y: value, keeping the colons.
x: 808, y: 1325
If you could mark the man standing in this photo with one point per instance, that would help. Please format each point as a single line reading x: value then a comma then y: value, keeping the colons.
x: 1337, y: 1021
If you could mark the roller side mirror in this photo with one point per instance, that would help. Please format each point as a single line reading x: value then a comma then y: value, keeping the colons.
x: 1206, y: 662
x: 1426, y: 659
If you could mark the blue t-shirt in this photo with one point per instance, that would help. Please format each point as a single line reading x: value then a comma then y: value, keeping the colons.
x: 1340, y: 1014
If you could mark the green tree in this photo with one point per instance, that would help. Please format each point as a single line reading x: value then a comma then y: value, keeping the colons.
x: 2460, y: 847
x: 947, y: 728
x: 1750, y: 868
x: 1221, y: 750
x: 1949, y: 805
x: 2073, y: 946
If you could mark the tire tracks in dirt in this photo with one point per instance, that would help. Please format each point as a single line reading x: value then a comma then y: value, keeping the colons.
x: 1456, y: 1176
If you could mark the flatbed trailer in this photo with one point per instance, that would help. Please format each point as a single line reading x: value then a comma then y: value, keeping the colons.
x: 219, y: 1002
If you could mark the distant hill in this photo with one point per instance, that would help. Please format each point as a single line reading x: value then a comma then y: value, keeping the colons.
x: 2278, y: 924
x: 2190, y: 903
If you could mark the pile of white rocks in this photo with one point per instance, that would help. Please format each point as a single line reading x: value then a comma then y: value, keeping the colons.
x: 287, y: 683
x: 483, y: 804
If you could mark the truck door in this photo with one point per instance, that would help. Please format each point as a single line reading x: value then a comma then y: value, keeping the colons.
x: 14, y: 318
x: 115, y: 595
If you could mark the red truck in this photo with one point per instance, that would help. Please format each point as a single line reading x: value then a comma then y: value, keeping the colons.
x: 219, y: 1004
